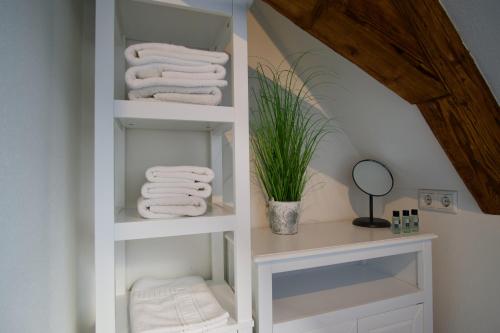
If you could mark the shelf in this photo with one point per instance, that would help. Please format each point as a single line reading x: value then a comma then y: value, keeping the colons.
x: 191, y: 23
x: 221, y: 291
x: 303, y: 294
x: 172, y: 116
x: 130, y: 225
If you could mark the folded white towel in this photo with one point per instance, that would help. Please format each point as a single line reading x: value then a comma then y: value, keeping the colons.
x: 147, y: 53
x: 153, y: 75
x: 159, y: 190
x: 173, y: 174
x: 198, y: 95
x: 175, y: 305
x: 205, y: 72
x: 170, y: 207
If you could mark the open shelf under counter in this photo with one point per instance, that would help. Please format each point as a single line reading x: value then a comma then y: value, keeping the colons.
x: 222, y: 292
x: 130, y: 225
x: 351, y: 288
x: 172, y: 116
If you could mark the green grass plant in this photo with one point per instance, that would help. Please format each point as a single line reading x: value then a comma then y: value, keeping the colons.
x: 285, y: 129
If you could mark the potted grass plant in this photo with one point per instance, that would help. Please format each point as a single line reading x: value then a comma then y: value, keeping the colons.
x: 285, y: 132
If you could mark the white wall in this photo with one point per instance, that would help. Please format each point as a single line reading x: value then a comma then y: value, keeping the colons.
x: 39, y: 163
x: 381, y: 125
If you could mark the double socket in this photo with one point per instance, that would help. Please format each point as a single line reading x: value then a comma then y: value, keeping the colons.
x: 443, y: 201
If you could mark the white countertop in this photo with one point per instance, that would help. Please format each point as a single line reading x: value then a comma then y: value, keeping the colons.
x: 324, y: 238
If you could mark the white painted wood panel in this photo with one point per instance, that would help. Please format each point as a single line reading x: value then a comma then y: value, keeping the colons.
x: 349, y: 327
x: 321, y: 238
x: 407, y: 320
x: 129, y: 225
x: 103, y: 168
x: 241, y: 162
x: 166, y: 115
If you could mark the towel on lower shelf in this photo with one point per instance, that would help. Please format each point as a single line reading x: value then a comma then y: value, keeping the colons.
x: 159, y: 190
x: 193, y: 95
x: 170, y: 207
x: 173, y: 174
x: 176, y: 305
x: 147, y: 53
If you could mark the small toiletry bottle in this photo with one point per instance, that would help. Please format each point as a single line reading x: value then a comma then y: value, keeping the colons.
x: 396, y: 222
x: 414, y: 220
x: 406, y: 221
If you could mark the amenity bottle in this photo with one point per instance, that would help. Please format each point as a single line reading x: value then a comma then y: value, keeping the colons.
x: 406, y: 221
x: 396, y: 222
x: 414, y: 220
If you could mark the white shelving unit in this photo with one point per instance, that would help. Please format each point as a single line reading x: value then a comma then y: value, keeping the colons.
x: 212, y: 25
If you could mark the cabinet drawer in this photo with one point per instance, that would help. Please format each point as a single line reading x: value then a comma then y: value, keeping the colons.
x: 347, y: 327
x: 406, y: 320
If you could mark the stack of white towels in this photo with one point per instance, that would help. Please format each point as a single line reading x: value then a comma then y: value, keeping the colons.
x: 173, y: 306
x: 165, y: 72
x: 173, y: 191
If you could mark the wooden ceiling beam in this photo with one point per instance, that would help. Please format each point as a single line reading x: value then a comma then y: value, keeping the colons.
x: 467, y: 124
x: 381, y: 57
x: 383, y: 17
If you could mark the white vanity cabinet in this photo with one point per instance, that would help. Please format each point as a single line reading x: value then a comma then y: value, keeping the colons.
x: 338, y: 278
x: 348, y: 327
x: 407, y: 320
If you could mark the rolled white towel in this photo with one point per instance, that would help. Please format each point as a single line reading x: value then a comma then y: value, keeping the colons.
x: 153, y: 75
x: 147, y: 53
x: 174, y: 174
x: 170, y: 207
x: 159, y: 190
x: 175, y: 305
x: 198, y: 95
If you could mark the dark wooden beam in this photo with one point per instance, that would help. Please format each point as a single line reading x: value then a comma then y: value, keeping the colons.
x: 384, y: 58
x: 469, y: 143
x: 413, y: 49
x: 467, y: 124
x: 383, y: 17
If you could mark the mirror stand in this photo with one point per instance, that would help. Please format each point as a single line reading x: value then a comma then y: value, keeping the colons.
x: 371, y: 222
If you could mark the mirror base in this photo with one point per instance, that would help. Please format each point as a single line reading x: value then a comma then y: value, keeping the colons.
x: 367, y: 223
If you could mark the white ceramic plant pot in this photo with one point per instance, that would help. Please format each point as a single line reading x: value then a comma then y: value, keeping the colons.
x: 284, y: 217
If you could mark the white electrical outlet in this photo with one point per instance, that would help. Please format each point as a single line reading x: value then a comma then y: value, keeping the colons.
x: 438, y: 200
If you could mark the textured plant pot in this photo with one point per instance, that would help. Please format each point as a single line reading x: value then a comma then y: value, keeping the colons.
x: 284, y: 217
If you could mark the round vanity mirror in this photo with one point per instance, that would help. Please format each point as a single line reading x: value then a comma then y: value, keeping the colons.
x: 374, y: 179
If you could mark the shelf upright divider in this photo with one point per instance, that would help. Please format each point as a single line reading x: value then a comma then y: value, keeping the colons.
x: 242, y: 255
x: 104, y: 167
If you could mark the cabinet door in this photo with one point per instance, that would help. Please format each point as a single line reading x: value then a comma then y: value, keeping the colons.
x: 347, y: 327
x: 407, y: 320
